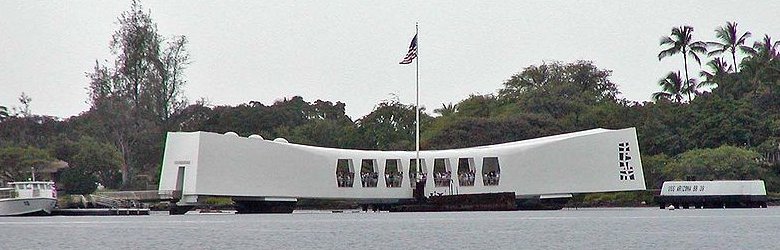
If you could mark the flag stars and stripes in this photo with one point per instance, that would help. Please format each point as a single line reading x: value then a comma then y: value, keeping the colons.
x: 412, y: 54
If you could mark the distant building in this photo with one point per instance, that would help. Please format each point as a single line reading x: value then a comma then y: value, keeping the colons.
x: 51, y: 171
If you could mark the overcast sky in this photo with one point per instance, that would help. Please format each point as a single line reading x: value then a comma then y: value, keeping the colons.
x: 349, y: 51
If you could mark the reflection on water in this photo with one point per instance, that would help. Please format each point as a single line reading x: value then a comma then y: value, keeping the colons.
x: 620, y: 228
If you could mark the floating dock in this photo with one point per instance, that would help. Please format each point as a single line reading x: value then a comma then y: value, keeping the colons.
x: 100, y: 211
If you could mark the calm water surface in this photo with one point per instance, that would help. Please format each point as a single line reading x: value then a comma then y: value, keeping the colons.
x: 622, y: 228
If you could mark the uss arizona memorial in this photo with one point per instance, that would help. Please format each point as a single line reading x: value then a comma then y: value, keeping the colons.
x: 261, y: 175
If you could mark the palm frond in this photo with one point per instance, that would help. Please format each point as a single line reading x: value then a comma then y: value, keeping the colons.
x: 748, y: 50
x: 707, y: 83
x: 667, y: 53
x: 720, y: 65
x: 742, y: 38
x: 671, y: 86
x: 719, y: 48
x: 695, y: 57
x: 706, y: 75
x: 699, y: 47
x: 666, y: 40
x: 657, y: 96
x: 722, y: 34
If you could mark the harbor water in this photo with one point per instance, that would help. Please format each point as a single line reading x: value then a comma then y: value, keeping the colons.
x: 597, y: 228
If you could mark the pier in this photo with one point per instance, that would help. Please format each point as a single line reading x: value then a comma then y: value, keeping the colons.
x: 99, y: 211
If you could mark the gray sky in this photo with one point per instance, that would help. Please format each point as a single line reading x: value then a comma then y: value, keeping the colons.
x: 349, y: 51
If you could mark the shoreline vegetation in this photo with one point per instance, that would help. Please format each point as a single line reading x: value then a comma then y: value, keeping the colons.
x: 715, y: 118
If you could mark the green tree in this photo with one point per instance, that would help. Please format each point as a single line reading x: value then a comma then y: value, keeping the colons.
x: 34, y: 131
x: 722, y: 121
x: 722, y: 163
x: 730, y: 40
x: 76, y: 181
x: 390, y: 126
x: 580, y: 79
x: 134, y: 101
x: 479, y: 131
x: 17, y: 163
x: 193, y: 117
x: 325, y: 133
x: 480, y: 106
x: 98, y: 159
x: 681, y: 41
x: 673, y: 88
x: 660, y: 127
x: 563, y: 91
x: 652, y: 167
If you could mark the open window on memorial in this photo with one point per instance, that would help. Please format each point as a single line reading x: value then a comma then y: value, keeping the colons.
x: 369, y: 176
x: 393, y: 174
x: 466, y: 171
x: 417, y: 174
x: 442, y: 173
x: 491, y: 172
x: 345, y: 173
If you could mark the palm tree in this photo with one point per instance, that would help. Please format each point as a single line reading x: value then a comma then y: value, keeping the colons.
x: 446, y: 109
x: 681, y: 42
x: 720, y: 68
x: 758, y: 67
x: 765, y: 49
x: 730, y: 40
x: 673, y: 88
x: 3, y: 113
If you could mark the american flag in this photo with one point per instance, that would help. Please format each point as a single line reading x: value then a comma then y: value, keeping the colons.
x: 412, y: 54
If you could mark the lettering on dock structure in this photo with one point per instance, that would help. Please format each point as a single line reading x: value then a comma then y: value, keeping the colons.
x: 685, y: 188
x: 624, y: 159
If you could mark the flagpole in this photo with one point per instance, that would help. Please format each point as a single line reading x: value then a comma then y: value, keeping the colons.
x: 417, y: 103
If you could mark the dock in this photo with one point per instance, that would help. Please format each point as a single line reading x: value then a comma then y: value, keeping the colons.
x: 100, y: 211
x: 464, y: 202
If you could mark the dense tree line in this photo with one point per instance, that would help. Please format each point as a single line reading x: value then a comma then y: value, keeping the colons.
x: 724, y: 126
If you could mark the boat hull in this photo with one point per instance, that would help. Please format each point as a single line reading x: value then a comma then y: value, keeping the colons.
x: 27, y: 206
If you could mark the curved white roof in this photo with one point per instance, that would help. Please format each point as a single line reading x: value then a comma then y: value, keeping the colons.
x: 596, y: 160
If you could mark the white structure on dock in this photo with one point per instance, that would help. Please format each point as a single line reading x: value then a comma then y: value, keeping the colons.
x: 252, y: 168
x: 713, y: 194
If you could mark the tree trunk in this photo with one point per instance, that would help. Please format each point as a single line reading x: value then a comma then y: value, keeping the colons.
x: 125, y: 168
x: 687, y: 80
x: 125, y: 174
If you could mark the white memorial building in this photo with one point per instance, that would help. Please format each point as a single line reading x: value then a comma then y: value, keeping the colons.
x: 197, y: 164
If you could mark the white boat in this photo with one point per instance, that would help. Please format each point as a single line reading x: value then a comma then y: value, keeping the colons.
x: 28, y: 198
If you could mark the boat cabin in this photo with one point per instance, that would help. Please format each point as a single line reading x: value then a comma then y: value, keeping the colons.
x: 31, y: 189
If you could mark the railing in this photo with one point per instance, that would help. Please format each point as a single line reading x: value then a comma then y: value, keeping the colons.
x: 105, y: 201
x: 124, y: 199
x: 142, y: 195
x: 8, y: 193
